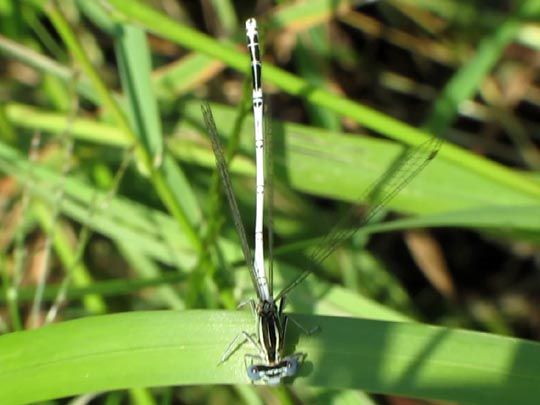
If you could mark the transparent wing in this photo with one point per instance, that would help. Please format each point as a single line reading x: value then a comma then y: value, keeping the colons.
x: 269, y: 190
x: 226, y: 180
x: 377, y: 197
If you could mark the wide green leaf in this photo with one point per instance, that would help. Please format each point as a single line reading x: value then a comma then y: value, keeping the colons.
x: 143, y: 349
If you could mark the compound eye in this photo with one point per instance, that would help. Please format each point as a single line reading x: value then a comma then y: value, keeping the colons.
x: 254, y: 374
x: 292, y: 367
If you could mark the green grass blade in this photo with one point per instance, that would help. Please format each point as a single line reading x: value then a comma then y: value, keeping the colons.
x: 135, y: 72
x: 83, y: 129
x: 185, y: 75
x: 342, y: 166
x: 142, y: 349
x: 134, y: 68
x: 510, y: 218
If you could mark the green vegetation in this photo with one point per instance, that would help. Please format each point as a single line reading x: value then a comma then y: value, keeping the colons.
x: 121, y: 270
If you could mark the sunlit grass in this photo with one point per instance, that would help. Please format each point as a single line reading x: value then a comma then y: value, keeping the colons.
x: 117, y: 209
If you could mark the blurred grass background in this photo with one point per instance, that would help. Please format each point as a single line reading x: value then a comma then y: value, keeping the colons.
x: 109, y: 194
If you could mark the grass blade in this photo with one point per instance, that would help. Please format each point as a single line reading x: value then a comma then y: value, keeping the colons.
x: 142, y: 349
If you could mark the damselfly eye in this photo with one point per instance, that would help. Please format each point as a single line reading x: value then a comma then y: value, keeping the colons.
x: 292, y: 367
x: 254, y: 373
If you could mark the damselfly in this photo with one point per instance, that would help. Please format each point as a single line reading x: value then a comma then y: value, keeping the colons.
x: 270, y: 365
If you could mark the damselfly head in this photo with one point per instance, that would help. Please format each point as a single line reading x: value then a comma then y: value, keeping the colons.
x: 272, y: 375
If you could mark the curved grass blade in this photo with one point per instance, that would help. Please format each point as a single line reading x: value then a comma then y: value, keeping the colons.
x: 179, y: 348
